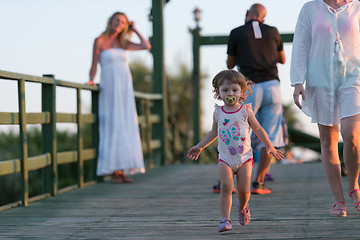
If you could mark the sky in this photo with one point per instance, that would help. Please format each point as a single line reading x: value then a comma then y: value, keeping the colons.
x: 56, y: 37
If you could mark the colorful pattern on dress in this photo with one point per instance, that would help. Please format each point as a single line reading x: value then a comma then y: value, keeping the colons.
x: 232, y: 134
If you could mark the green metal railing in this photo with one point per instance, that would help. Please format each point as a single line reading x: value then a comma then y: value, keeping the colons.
x: 50, y: 158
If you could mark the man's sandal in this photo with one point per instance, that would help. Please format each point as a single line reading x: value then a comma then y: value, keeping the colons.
x: 357, y: 204
x: 338, y: 212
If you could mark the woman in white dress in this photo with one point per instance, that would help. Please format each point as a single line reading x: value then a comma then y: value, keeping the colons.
x: 120, y: 152
x: 326, y: 56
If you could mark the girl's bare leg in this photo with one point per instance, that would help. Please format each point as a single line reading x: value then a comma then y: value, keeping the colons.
x: 243, y: 179
x: 226, y: 176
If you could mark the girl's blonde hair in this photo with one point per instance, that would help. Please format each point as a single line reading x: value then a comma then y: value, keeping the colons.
x: 125, y: 34
x: 232, y: 76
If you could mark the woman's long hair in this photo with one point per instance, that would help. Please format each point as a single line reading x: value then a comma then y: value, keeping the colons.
x: 125, y: 34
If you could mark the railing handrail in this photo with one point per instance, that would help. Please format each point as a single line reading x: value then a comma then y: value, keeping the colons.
x: 50, y: 158
x: 62, y: 83
x: 148, y: 96
x: 46, y: 80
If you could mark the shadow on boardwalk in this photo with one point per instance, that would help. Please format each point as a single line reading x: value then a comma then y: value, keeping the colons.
x: 176, y: 202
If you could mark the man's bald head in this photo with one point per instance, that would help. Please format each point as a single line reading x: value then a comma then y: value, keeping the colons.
x: 256, y: 12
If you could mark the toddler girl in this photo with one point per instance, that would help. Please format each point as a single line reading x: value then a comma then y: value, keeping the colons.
x: 231, y: 124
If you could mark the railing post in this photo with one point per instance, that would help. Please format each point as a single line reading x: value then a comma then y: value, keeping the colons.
x: 146, y: 131
x: 95, y: 130
x: 80, y: 161
x: 23, y: 144
x: 48, y: 143
x: 160, y: 81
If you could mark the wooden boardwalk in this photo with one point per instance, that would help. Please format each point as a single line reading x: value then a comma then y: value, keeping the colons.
x: 176, y: 202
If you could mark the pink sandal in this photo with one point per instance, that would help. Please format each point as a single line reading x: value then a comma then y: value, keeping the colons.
x: 338, y: 212
x: 225, y: 225
x: 244, y: 215
x: 357, y: 204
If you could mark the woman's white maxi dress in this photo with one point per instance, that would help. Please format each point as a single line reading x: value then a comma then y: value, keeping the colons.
x: 120, y: 145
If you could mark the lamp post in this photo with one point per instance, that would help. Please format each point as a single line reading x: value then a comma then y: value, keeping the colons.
x: 197, y: 15
x: 196, y: 76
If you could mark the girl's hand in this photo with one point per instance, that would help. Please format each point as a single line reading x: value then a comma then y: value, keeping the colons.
x: 298, y: 90
x: 194, y: 152
x: 276, y: 153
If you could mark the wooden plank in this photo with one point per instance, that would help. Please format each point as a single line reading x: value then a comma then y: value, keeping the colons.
x: 154, y: 144
x: 9, y: 167
x: 38, y: 118
x: 9, y: 118
x: 89, y: 154
x: 90, y: 183
x: 176, y: 202
x: 150, y: 96
x: 39, y: 197
x: 10, y: 205
x: 29, y: 78
x: 23, y: 144
x: 66, y: 118
x: 79, y: 140
x: 46, y: 80
x: 39, y: 162
x: 68, y: 188
x: 66, y: 157
x: 88, y: 118
x: 72, y: 118
x: 62, y: 83
x: 153, y: 119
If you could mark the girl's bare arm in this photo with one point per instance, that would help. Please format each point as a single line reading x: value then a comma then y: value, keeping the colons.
x: 261, y: 134
x: 195, y: 151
